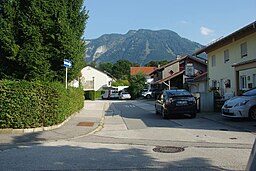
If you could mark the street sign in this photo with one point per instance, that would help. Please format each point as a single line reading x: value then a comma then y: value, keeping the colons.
x: 67, y: 63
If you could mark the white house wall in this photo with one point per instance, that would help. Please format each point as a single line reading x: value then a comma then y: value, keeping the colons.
x: 223, y: 71
x: 174, y: 67
x: 100, y: 79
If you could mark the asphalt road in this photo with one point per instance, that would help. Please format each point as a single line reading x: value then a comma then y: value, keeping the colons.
x: 127, y: 141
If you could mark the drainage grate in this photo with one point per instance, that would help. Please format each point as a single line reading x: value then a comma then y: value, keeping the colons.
x: 168, y: 149
x: 85, y: 124
x: 233, y: 138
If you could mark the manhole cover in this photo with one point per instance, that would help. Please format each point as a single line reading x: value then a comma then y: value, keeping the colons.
x: 168, y: 149
x: 85, y: 124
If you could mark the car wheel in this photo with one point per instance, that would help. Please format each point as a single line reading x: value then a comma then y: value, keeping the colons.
x: 148, y: 96
x: 164, y: 116
x: 252, y: 113
x: 193, y: 115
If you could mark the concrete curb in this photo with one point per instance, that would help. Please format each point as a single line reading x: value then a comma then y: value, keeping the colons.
x: 39, y: 129
x: 99, y: 127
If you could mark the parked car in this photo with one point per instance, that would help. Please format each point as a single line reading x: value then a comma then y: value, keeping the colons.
x: 124, y: 95
x: 110, y: 94
x: 172, y: 102
x: 147, y: 93
x: 241, y: 106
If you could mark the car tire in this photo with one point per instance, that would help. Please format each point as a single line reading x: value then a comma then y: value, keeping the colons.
x: 164, y: 115
x: 148, y: 96
x: 252, y: 113
x: 193, y: 115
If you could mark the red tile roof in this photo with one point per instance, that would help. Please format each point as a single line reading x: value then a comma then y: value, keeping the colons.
x: 201, y: 77
x: 144, y: 70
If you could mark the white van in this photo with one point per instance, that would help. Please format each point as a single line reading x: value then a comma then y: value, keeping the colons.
x: 110, y: 94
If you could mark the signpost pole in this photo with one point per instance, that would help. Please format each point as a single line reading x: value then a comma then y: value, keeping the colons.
x: 66, y: 78
x: 67, y: 64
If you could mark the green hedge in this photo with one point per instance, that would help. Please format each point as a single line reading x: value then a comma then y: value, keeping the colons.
x: 35, y: 104
x: 92, y: 95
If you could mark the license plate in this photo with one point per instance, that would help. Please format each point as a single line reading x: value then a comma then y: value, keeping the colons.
x: 225, y: 110
x: 181, y: 103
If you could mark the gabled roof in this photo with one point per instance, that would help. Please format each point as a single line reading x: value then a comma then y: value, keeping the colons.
x: 241, y: 33
x: 170, y: 77
x: 106, y: 73
x: 144, y: 70
x: 178, y: 60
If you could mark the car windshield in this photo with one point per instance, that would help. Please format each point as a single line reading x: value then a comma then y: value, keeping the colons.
x: 250, y: 93
x: 179, y: 93
x: 125, y: 93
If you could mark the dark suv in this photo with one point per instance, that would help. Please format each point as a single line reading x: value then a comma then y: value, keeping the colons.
x: 172, y: 102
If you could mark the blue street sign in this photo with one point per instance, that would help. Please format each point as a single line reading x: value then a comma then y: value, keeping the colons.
x: 67, y: 63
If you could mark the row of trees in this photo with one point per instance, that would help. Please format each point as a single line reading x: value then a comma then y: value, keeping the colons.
x: 36, y: 35
x: 121, y: 69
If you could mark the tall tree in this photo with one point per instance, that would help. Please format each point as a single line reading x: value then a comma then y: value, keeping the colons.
x: 121, y: 69
x: 106, y: 67
x: 156, y: 63
x: 36, y: 35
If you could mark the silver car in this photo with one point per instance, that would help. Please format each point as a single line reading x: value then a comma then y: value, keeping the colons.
x: 241, y: 106
x: 124, y: 95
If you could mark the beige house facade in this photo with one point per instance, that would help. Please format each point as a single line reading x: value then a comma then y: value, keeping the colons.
x: 93, y: 79
x: 232, y: 62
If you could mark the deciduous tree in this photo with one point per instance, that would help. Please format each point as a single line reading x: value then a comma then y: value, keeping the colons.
x: 36, y: 35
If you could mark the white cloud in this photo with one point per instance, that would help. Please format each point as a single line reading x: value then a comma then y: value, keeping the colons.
x: 206, y: 31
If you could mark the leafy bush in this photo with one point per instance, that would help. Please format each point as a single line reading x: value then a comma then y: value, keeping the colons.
x: 92, y: 95
x: 35, y: 104
x: 120, y: 83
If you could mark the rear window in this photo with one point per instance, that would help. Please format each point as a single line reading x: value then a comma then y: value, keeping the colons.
x: 178, y: 93
x: 114, y: 91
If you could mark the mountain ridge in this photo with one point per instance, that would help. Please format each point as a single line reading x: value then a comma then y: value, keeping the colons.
x: 139, y: 46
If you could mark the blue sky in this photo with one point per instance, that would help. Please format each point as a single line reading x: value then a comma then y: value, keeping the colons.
x: 201, y: 21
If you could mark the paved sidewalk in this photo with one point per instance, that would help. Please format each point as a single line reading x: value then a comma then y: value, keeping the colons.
x: 89, y: 120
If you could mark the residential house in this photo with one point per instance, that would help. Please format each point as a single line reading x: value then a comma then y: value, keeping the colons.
x: 179, y: 73
x: 146, y: 71
x: 93, y: 79
x: 232, y: 61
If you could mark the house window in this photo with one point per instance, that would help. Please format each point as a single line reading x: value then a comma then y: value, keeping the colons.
x: 226, y: 56
x: 214, y: 84
x: 243, y: 49
x: 171, y: 72
x: 242, y: 82
x: 213, y: 60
